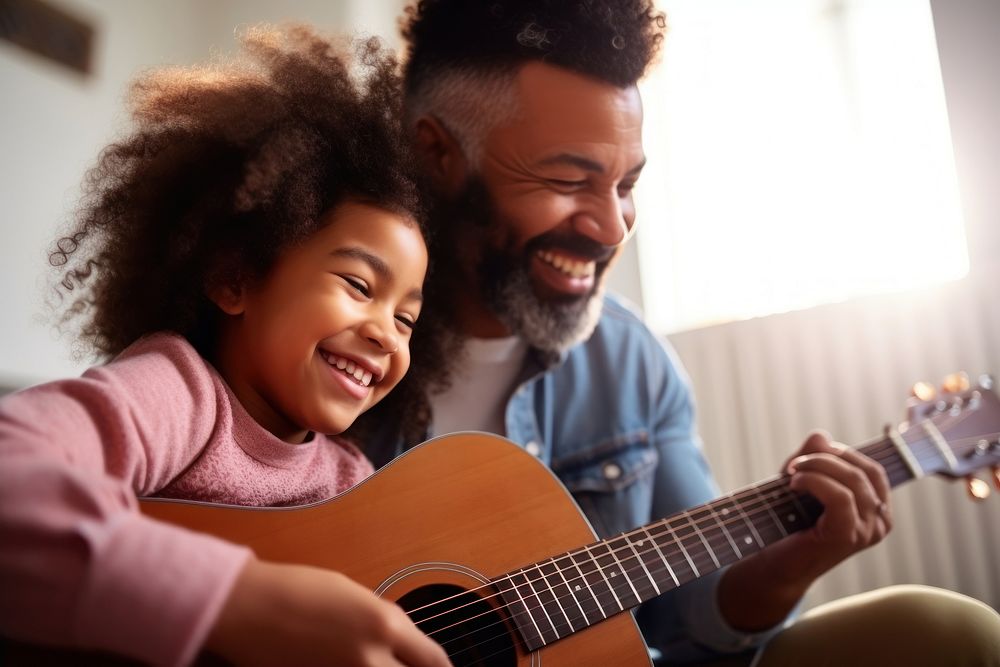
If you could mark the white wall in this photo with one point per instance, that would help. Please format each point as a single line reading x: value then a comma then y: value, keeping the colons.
x: 54, y: 122
x: 968, y: 37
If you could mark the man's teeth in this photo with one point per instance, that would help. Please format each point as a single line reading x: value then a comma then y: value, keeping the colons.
x: 360, y: 375
x: 570, y: 267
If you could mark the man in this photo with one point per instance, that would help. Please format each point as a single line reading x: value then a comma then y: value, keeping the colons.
x: 529, y: 121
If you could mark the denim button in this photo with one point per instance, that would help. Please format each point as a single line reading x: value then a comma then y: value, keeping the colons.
x: 533, y: 448
x: 612, y: 471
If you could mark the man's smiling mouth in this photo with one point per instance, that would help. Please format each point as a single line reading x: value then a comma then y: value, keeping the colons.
x: 570, y: 266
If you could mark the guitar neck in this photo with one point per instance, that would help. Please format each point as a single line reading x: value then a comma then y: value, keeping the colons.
x: 556, y: 597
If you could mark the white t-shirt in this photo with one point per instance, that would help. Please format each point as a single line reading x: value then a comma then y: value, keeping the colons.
x: 480, y: 386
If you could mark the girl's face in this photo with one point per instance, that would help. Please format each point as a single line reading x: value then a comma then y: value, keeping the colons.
x: 326, y: 334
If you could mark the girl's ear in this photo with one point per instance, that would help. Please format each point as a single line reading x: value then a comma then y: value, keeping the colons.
x: 229, y: 299
x: 441, y: 154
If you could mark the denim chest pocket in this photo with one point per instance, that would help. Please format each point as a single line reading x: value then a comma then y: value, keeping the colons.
x: 612, y: 481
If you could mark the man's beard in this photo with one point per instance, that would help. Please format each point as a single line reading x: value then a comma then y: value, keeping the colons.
x: 502, y: 272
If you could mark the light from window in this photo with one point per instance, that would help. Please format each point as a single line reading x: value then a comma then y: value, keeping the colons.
x: 799, y: 154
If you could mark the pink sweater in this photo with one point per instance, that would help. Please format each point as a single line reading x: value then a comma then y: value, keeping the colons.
x: 79, y: 565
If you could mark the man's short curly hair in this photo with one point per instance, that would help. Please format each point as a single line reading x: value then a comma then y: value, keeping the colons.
x: 611, y: 40
x: 463, y: 55
x: 227, y: 166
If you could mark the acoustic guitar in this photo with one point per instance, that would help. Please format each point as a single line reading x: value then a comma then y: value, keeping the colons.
x: 489, y: 555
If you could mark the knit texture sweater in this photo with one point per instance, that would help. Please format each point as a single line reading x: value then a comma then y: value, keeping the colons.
x: 80, y: 566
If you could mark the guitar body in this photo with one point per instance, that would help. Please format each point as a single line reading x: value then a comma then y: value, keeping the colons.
x: 449, y: 515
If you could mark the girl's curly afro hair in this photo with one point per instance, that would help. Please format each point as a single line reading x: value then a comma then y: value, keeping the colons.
x: 228, y: 165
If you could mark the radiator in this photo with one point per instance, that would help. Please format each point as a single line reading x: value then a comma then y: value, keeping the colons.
x: 761, y: 385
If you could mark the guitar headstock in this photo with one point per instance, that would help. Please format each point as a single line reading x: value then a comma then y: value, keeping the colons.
x: 967, y: 415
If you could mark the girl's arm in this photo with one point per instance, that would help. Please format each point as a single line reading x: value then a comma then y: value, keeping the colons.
x: 79, y: 566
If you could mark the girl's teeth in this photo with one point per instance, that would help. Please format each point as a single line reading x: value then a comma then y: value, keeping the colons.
x: 362, y: 376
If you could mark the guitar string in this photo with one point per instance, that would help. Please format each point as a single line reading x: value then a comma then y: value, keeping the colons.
x: 611, y: 551
x: 554, y: 629
x: 584, y: 618
x: 765, y: 485
x: 883, y: 446
x: 556, y: 598
x: 527, y: 598
x: 584, y: 615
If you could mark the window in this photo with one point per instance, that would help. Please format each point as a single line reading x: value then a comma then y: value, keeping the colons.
x: 799, y: 155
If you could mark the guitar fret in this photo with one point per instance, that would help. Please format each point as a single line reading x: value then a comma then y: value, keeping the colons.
x: 682, y: 531
x: 564, y: 597
x: 675, y: 558
x: 737, y: 554
x: 634, y: 568
x: 606, y: 599
x: 790, y: 513
x: 544, y: 597
x: 611, y: 569
x: 701, y: 536
x: 742, y: 531
x: 637, y: 548
x: 521, y: 608
x: 583, y: 594
x: 749, y: 524
x: 693, y: 543
x: 656, y: 562
x: 767, y: 500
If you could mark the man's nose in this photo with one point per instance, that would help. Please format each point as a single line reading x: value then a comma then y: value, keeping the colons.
x: 607, y: 222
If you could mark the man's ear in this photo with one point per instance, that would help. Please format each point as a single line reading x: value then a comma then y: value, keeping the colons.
x: 228, y: 298
x: 440, y: 154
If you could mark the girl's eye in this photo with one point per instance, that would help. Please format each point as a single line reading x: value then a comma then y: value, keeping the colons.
x: 357, y: 284
x: 405, y: 321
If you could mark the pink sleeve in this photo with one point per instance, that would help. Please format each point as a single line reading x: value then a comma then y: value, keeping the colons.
x: 79, y: 566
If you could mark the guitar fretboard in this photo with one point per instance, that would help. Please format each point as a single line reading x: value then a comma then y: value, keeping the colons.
x: 556, y: 597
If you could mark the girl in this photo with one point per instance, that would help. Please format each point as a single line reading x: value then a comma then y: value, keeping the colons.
x: 251, y: 261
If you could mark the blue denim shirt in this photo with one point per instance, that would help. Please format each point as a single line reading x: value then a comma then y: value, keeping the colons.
x: 614, y: 420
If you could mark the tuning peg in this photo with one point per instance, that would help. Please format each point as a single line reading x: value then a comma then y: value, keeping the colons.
x: 923, y: 391
x: 956, y: 383
x: 996, y: 477
x: 978, y: 489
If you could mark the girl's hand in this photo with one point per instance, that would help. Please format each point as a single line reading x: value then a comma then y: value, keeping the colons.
x: 299, y: 615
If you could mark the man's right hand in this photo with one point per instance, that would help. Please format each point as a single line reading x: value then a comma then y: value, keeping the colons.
x: 282, y: 614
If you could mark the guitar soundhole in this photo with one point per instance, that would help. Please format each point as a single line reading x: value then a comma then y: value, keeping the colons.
x: 472, y: 632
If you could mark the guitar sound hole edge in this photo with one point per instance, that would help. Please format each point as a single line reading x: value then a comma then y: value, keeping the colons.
x: 472, y: 631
